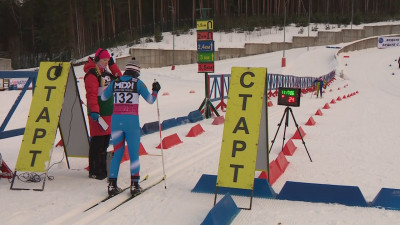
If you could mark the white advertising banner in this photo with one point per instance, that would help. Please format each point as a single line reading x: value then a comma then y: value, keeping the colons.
x: 388, y: 42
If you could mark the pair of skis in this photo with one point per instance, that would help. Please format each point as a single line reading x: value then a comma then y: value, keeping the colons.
x: 133, y: 196
x: 123, y: 190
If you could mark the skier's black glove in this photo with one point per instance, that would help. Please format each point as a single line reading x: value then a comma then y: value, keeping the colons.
x: 156, y: 86
x: 111, y: 61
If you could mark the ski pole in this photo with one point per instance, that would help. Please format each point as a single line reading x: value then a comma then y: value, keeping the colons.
x: 161, y: 144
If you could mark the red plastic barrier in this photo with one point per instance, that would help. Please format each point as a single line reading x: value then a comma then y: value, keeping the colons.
x: 344, y: 97
x: 339, y: 99
x: 319, y: 113
x: 282, y: 162
x: 274, y: 171
x: 195, y: 131
x: 270, y: 104
x: 126, y: 157
x: 7, y: 173
x: 142, y: 150
x: 60, y: 144
x: 297, y: 134
x: 326, y: 106
x: 218, y: 120
x: 333, y: 101
x: 263, y: 175
x: 289, y: 148
x: 310, y: 122
x: 170, y: 141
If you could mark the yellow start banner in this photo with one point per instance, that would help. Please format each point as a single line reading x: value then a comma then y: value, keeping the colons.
x: 44, y: 114
x: 240, y: 139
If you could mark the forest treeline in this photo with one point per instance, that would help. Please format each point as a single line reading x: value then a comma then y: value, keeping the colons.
x: 64, y: 30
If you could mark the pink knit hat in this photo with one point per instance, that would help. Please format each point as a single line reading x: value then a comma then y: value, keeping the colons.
x: 101, y: 54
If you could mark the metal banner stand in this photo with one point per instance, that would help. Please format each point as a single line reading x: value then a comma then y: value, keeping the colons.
x: 206, y: 105
x: 35, y: 189
x: 287, y: 110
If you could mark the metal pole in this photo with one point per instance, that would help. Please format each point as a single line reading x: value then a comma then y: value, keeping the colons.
x: 173, y: 33
x: 352, y: 12
x: 327, y: 11
x: 173, y: 37
x: 309, y: 16
x: 284, y: 29
x: 284, y: 36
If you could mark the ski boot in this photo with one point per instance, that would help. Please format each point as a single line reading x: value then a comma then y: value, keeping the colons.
x: 135, y: 187
x: 113, y: 189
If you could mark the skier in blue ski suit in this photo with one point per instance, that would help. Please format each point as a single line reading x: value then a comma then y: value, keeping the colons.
x: 125, y: 124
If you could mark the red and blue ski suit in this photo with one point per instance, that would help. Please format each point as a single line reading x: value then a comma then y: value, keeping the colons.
x: 125, y: 125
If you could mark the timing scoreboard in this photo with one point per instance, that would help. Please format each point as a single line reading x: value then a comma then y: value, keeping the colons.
x: 289, y: 96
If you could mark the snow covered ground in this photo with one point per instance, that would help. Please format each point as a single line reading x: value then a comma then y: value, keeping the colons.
x: 354, y: 143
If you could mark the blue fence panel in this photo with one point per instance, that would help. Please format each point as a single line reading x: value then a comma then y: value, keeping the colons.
x: 32, y: 76
x: 215, y: 92
x: 219, y: 86
x: 227, y: 82
x: 220, y: 83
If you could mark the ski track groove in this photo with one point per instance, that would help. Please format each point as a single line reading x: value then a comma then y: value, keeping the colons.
x: 77, y: 216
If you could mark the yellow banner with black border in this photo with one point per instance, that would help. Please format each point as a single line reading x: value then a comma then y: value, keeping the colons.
x: 237, y: 163
x: 44, y: 113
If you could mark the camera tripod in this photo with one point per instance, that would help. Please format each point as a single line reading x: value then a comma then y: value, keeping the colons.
x: 286, y: 113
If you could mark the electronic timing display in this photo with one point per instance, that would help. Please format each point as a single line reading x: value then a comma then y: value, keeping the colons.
x: 289, y: 96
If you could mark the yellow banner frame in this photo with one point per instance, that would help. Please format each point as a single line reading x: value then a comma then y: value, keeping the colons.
x: 55, y: 104
x: 42, y: 123
x: 244, y: 122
